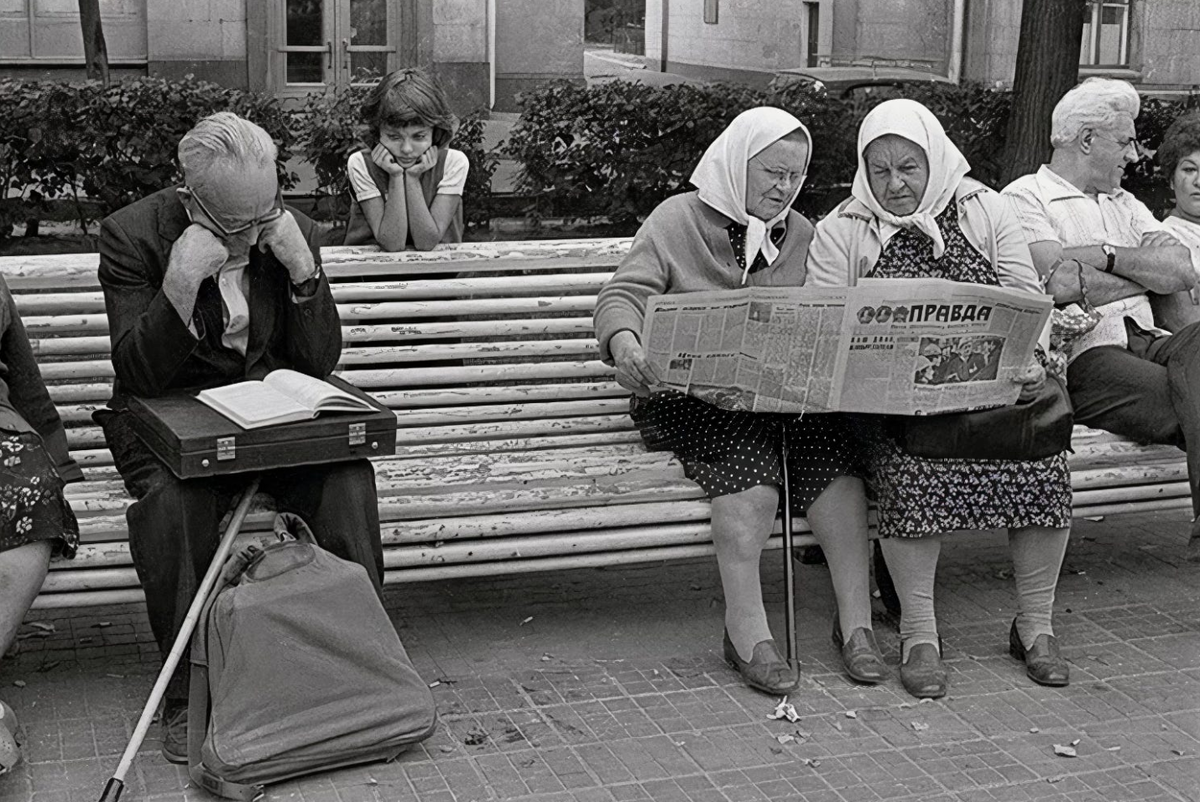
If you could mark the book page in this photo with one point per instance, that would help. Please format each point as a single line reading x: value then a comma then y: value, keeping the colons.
x: 251, y: 403
x: 315, y: 394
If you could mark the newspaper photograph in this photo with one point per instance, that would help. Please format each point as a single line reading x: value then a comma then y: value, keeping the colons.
x: 887, y: 346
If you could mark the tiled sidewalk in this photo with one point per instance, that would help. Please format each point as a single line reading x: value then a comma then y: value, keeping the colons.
x: 596, y: 686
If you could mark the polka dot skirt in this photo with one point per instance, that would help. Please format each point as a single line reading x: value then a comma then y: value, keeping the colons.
x: 727, y: 452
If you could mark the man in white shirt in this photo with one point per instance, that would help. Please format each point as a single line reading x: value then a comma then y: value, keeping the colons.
x: 1091, y: 239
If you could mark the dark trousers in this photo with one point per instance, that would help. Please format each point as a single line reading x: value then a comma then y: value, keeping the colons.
x: 1148, y: 392
x: 174, y: 526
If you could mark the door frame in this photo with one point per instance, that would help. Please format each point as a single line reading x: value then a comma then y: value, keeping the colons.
x: 264, y: 62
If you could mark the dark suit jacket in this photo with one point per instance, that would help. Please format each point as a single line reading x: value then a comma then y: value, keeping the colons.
x: 153, y: 351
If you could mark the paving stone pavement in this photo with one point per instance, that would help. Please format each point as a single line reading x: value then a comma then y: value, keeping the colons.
x: 608, y: 685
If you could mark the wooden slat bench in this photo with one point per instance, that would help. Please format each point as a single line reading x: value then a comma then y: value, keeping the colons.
x: 521, y: 458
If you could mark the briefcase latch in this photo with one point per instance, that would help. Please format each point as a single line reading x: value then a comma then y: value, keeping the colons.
x: 358, y: 434
x: 226, y: 448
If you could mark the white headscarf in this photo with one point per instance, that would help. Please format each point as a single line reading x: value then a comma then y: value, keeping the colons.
x: 947, y: 166
x: 721, y: 173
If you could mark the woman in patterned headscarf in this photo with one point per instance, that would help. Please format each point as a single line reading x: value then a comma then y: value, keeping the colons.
x: 738, y: 229
x: 913, y: 213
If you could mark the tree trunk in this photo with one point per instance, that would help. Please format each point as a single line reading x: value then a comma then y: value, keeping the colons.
x: 1047, y: 66
x: 95, y: 51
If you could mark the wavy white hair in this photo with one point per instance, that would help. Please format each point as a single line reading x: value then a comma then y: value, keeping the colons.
x: 1095, y: 103
x: 226, y: 139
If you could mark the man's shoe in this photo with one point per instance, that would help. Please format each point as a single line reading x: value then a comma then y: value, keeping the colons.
x: 767, y: 670
x: 175, y: 731
x: 1043, y: 662
x: 860, y: 655
x: 923, y: 675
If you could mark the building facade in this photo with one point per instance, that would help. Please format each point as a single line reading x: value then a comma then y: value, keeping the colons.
x: 481, y: 50
x: 1155, y: 44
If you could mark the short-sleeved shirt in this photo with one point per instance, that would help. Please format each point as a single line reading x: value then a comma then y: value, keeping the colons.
x: 454, y: 177
x: 1051, y: 209
x: 1188, y: 233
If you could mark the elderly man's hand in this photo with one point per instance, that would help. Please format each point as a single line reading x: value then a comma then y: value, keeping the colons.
x: 196, y: 255
x: 634, y: 372
x: 1158, y: 239
x: 283, y: 238
x: 1032, y: 380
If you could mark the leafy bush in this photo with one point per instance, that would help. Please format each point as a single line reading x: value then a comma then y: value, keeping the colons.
x: 115, y: 143
x: 329, y: 130
x: 620, y: 149
x: 1144, y: 178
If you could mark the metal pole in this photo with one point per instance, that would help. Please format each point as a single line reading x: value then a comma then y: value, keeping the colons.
x: 116, y: 784
x: 789, y: 579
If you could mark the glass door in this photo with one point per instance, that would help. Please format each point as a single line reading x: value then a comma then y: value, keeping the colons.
x: 320, y: 44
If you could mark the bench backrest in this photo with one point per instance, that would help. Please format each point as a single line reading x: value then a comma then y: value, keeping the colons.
x: 474, y: 343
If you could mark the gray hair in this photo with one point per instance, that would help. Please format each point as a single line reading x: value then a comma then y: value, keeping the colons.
x: 224, y: 138
x: 1095, y: 103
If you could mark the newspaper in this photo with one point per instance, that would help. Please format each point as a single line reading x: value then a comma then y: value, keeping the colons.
x: 888, y: 346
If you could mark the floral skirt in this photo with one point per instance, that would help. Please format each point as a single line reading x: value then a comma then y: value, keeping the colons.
x: 918, y: 497
x: 32, y: 506
x: 727, y: 452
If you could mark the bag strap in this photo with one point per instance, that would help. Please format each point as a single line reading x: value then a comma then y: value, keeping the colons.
x: 198, y: 700
x: 288, y: 523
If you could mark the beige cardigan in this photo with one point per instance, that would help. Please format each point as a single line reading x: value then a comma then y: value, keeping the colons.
x: 847, y: 243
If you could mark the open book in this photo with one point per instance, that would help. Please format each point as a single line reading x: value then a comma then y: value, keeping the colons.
x: 283, y: 396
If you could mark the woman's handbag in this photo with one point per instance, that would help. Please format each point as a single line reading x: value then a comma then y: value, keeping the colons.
x: 1069, y: 324
x: 1027, y: 430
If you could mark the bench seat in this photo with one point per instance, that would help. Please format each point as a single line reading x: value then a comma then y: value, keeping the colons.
x: 518, y: 456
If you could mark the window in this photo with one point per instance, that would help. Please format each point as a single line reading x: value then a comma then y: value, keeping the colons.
x: 813, y: 37
x: 48, y: 32
x: 1105, y: 34
x: 710, y: 11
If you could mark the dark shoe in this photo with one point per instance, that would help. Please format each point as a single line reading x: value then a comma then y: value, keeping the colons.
x: 175, y: 727
x: 811, y: 555
x: 1043, y: 663
x: 767, y: 670
x: 861, y: 655
x: 923, y: 675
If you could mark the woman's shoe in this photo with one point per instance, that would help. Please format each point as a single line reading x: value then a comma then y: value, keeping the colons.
x: 860, y: 655
x: 923, y: 674
x: 767, y: 670
x: 1043, y: 662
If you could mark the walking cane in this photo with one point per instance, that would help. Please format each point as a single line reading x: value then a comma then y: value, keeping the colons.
x: 789, y: 580
x: 116, y: 783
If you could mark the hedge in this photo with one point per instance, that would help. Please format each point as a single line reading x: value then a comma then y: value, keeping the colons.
x: 619, y: 149
x: 616, y: 149
x: 117, y: 144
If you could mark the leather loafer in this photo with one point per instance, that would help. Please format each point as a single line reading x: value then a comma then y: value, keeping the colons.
x: 860, y: 655
x: 767, y: 670
x: 1043, y: 662
x: 923, y: 675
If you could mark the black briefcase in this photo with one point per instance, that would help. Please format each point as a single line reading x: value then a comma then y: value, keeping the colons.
x: 196, y: 441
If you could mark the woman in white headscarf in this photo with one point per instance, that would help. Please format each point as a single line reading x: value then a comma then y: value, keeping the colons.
x: 913, y: 213
x: 738, y: 229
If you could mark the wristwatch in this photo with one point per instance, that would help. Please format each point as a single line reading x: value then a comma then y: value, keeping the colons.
x: 1111, y: 253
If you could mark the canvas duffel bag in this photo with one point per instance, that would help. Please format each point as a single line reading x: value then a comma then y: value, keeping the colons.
x: 296, y: 668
